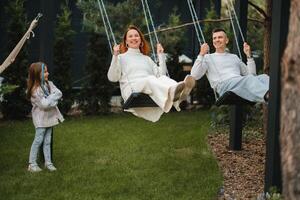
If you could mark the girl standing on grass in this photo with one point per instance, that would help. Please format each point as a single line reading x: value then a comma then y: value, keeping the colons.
x: 44, y: 97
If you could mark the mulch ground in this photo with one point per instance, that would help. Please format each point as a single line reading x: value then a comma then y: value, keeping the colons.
x: 243, y: 171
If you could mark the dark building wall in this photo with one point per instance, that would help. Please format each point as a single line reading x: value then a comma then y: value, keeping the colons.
x: 41, y: 47
x: 33, y: 7
x: 80, y: 45
x: 43, y: 32
x: 3, y: 35
x: 161, y: 15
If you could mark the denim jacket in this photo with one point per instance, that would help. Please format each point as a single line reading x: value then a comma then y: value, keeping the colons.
x: 45, y: 112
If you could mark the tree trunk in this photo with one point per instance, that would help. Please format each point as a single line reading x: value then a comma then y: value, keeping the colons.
x: 290, y: 109
x: 267, y: 36
x: 267, y: 44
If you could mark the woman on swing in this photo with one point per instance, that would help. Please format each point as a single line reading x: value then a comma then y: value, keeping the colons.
x: 137, y: 72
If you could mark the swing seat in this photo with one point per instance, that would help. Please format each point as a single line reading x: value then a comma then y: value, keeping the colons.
x: 137, y: 100
x: 230, y: 98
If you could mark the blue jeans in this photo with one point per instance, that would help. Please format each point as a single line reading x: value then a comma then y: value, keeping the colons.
x: 42, y: 135
x: 252, y: 88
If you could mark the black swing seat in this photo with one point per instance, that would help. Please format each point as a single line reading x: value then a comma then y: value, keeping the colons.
x: 137, y: 100
x: 230, y: 98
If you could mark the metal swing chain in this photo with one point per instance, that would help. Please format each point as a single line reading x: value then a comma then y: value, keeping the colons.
x: 106, y: 23
x: 148, y: 28
x: 194, y: 21
x: 234, y: 31
x: 147, y: 10
x: 109, y: 32
x: 237, y: 21
x: 199, y: 29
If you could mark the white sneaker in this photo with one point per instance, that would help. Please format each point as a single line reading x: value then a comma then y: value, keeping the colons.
x: 34, y: 168
x: 50, y: 167
x: 176, y: 90
x: 189, y: 85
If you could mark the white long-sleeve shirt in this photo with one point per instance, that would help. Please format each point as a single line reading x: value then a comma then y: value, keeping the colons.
x: 221, y: 66
x: 129, y: 67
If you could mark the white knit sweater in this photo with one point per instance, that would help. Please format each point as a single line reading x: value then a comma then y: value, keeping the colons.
x: 221, y: 66
x: 138, y: 73
x: 132, y: 66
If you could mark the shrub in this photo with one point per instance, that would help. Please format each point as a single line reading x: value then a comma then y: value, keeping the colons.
x: 97, y: 90
x: 15, y: 105
x: 62, y: 57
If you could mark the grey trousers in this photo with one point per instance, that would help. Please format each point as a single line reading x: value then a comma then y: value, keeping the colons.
x: 252, y: 88
x: 42, y: 135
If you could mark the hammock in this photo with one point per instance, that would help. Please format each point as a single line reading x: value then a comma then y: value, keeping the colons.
x: 12, y: 56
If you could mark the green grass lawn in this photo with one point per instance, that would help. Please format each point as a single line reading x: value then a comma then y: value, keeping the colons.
x: 114, y: 157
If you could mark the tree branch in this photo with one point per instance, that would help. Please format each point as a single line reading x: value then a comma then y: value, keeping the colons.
x: 200, y: 21
x: 259, y: 9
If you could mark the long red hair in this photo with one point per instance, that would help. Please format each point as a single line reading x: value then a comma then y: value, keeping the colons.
x: 144, y: 48
x: 34, y: 78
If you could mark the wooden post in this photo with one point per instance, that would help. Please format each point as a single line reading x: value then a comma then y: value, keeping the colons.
x: 236, y: 111
x: 280, y: 19
x: 236, y: 127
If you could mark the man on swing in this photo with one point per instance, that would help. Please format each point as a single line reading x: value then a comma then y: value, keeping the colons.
x: 226, y: 72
